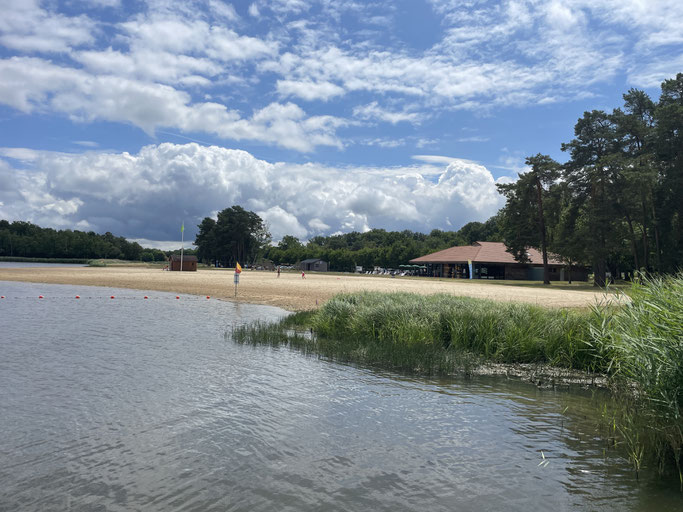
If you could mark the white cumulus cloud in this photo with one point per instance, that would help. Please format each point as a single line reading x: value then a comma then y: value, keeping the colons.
x: 146, y: 195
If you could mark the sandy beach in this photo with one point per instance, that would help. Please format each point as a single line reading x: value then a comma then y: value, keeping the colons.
x: 290, y: 291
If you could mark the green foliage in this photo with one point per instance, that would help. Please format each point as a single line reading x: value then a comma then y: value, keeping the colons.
x: 668, y: 150
x: 504, y: 333
x: 23, y: 239
x: 524, y: 217
x: 237, y: 235
x: 436, y: 333
x: 642, y: 345
x: 378, y: 247
x: 150, y: 255
x: 616, y: 204
x: 44, y: 260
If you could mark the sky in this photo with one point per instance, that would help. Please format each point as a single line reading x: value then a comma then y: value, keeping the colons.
x: 322, y: 116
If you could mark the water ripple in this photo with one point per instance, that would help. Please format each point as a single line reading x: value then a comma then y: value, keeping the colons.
x: 131, y: 405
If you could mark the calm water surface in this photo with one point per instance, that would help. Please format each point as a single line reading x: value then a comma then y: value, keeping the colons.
x: 133, y: 404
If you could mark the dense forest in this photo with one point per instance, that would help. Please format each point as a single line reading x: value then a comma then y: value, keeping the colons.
x: 25, y: 240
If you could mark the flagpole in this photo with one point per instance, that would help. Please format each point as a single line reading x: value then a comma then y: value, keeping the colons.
x: 182, y: 244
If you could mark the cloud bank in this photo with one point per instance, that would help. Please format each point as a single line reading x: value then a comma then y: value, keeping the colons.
x: 149, y: 194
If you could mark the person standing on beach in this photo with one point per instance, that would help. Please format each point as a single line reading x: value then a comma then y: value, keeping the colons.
x: 278, y: 270
x: 303, y: 275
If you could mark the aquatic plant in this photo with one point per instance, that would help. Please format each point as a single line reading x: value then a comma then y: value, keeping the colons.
x: 641, y: 344
x: 638, y: 344
x: 433, y: 334
x: 498, y: 332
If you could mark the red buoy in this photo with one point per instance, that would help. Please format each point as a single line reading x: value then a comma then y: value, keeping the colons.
x: 208, y: 297
x: 78, y: 296
x: 146, y: 297
x: 40, y: 296
x: 2, y: 297
x: 177, y: 297
x: 111, y: 297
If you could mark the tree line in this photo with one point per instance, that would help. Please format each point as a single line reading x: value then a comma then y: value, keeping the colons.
x: 26, y: 240
x: 378, y: 247
x: 241, y: 235
x: 238, y: 235
x: 22, y: 239
x: 617, y: 203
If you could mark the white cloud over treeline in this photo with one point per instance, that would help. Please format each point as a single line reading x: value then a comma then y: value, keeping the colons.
x: 148, y: 194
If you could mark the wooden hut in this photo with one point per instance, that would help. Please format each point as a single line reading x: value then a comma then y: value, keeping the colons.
x: 189, y: 263
x: 313, y: 264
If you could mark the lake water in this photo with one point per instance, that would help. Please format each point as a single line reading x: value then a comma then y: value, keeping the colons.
x: 132, y: 404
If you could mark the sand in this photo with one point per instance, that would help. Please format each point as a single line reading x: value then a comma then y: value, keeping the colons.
x: 290, y: 291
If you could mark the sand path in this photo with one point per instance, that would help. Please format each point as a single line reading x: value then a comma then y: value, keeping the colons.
x: 290, y: 291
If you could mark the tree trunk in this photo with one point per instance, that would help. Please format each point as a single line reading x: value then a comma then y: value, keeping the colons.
x: 634, y: 247
x: 599, y: 273
x: 541, y: 224
x: 658, y: 253
x: 646, y: 249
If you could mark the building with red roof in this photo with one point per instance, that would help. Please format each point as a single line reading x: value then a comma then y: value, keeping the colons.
x: 490, y: 260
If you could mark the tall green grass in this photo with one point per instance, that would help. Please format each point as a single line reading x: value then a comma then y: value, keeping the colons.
x: 497, y: 332
x: 641, y: 345
x: 434, y: 334
x: 638, y: 345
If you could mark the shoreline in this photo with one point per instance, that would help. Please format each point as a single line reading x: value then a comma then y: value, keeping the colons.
x: 290, y: 291
x: 294, y: 294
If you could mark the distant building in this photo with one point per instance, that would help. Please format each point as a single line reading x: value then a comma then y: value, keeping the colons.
x: 189, y: 263
x: 490, y: 260
x: 313, y: 265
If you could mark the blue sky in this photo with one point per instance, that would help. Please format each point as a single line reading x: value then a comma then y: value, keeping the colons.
x: 322, y: 116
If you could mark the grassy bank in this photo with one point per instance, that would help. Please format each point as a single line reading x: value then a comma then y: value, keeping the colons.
x: 638, y: 345
x: 433, y: 334
x: 642, y: 345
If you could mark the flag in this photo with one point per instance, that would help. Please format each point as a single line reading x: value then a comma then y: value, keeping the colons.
x: 238, y: 268
x: 182, y: 227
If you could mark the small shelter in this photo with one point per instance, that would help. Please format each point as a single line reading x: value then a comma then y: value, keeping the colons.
x: 490, y: 260
x: 313, y: 265
x: 189, y: 263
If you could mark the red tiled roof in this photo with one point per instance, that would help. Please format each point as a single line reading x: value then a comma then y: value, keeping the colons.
x: 481, y: 252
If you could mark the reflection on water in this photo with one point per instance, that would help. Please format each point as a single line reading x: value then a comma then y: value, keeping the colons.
x: 133, y: 404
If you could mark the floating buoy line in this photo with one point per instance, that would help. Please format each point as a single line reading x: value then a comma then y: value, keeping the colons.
x: 110, y: 297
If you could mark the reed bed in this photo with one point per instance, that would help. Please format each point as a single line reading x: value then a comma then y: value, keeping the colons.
x: 637, y: 344
x: 642, y: 346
